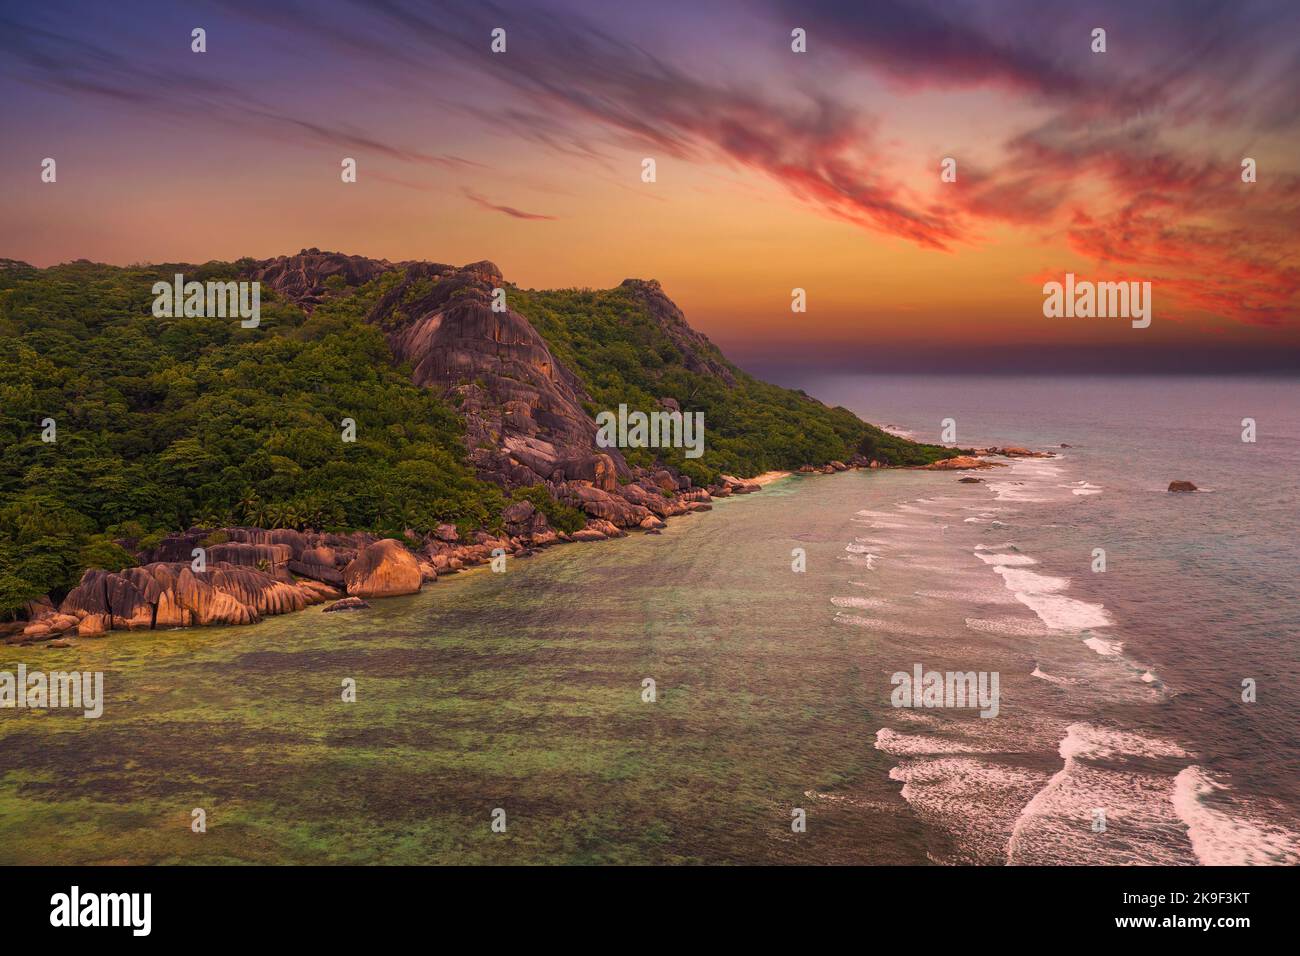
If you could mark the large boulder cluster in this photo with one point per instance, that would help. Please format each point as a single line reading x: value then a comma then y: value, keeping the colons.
x: 245, y: 574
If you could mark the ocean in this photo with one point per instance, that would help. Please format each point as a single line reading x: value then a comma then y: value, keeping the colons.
x: 686, y: 697
x: 1136, y: 671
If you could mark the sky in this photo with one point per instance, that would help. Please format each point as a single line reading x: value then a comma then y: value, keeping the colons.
x: 775, y: 170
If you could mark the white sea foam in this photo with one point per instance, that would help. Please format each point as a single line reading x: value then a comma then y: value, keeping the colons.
x: 1031, y: 582
x: 1039, y: 593
x: 1065, y: 614
x: 911, y: 745
x: 913, y: 510
x: 1051, y: 679
x: 1086, y: 488
x: 857, y: 602
x: 1220, y: 839
x: 1004, y: 559
x: 1016, y: 491
x: 1007, y: 626
x: 971, y: 797
x: 1056, y: 826
x: 989, y: 596
x: 1104, y: 647
x: 1095, y: 742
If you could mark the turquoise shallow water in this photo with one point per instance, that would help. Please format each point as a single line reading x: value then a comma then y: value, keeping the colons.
x: 520, y: 690
x: 523, y: 691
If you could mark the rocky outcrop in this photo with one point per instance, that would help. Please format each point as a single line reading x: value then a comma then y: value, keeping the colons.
x: 613, y: 508
x: 322, y: 563
x: 1181, y: 486
x: 302, y: 278
x: 523, y: 409
x: 320, y: 557
x: 961, y: 463
x: 173, y: 594
x: 346, y: 604
x: 525, y: 421
x: 698, y: 353
x: 737, y: 486
x: 598, y: 530
x: 385, y: 569
x: 1015, y: 451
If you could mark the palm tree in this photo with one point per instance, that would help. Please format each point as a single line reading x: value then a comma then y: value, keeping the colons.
x: 250, y: 505
x: 275, y: 515
x: 215, y: 518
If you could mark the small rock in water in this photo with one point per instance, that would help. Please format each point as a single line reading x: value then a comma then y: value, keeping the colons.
x: 346, y: 604
x: 970, y: 480
x: 1181, y: 486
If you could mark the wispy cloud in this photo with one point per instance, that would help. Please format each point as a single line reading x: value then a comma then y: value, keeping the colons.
x: 77, y: 67
x: 508, y: 210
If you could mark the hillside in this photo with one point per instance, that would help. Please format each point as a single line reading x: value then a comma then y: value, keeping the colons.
x: 167, y: 424
x: 632, y: 345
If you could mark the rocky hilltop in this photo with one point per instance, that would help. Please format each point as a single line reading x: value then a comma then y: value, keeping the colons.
x: 523, y: 408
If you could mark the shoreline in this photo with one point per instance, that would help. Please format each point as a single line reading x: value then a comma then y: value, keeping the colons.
x: 39, y: 631
x: 86, y: 611
x: 767, y: 477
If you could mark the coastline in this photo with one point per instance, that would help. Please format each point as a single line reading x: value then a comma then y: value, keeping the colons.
x: 91, y: 610
x: 767, y: 477
x: 257, y: 573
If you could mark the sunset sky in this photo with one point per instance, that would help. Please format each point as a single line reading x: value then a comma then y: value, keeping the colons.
x: 775, y: 169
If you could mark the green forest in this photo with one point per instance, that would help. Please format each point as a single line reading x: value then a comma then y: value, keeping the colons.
x: 160, y: 424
